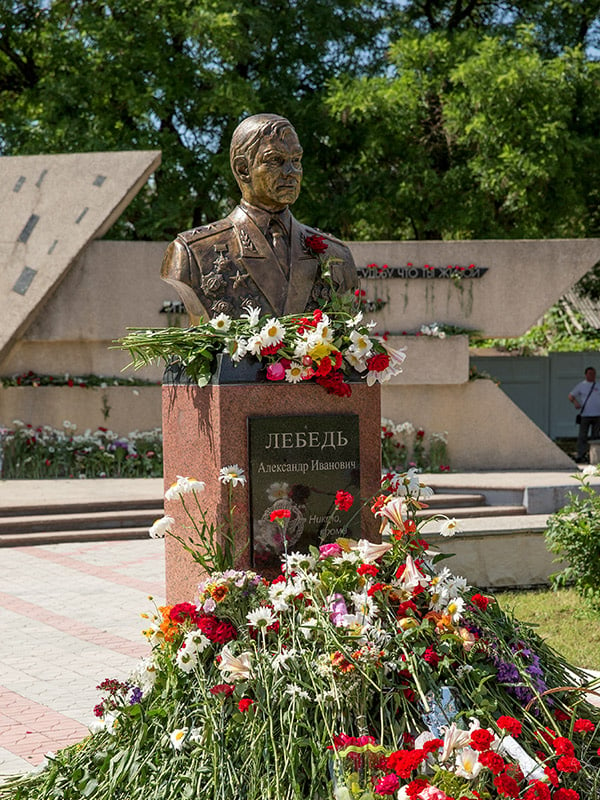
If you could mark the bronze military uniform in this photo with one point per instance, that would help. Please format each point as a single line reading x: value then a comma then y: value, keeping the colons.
x: 228, y: 265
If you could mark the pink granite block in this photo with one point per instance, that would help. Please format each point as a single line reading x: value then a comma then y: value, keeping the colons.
x: 205, y: 428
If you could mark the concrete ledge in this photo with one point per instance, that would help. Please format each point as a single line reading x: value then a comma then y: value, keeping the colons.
x: 432, y: 360
x: 498, y: 553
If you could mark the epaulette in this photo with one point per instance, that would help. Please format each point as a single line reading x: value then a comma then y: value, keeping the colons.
x: 204, y: 231
x: 328, y: 236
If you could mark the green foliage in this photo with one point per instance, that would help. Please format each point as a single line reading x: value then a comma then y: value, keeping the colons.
x: 480, y: 120
x: 555, y: 333
x: 476, y: 137
x: 573, y: 534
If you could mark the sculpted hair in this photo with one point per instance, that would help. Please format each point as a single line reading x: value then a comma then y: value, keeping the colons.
x: 248, y: 134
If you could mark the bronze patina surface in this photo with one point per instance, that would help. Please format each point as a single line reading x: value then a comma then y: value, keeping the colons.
x: 258, y: 255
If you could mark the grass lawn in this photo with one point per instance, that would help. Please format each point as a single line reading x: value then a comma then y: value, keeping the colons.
x: 562, y: 620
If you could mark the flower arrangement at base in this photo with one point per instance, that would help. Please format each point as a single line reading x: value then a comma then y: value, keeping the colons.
x: 363, y: 671
x: 324, y: 346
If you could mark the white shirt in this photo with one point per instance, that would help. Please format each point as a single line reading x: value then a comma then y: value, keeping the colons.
x: 581, y: 391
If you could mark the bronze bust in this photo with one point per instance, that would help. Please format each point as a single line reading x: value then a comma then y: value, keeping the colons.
x: 258, y: 256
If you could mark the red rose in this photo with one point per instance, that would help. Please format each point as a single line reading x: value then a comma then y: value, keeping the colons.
x: 378, y: 363
x: 343, y: 500
x: 316, y: 243
x: 245, y: 703
x: 511, y: 725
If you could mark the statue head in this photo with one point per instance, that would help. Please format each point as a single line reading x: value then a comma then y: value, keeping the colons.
x: 266, y: 159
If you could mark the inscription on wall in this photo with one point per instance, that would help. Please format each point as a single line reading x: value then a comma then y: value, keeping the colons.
x: 298, y: 464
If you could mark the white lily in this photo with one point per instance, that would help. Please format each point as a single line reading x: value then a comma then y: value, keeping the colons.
x: 235, y: 666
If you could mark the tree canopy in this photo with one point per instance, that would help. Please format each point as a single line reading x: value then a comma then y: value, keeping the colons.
x: 419, y: 118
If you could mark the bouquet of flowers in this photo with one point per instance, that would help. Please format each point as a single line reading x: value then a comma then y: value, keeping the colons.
x: 322, y: 346
x: 364, y: 670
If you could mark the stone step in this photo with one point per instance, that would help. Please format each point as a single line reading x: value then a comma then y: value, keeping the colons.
x: 59, y: 537
x: 461, y: 512
x: 440, y: 499
x: 121, y: 518
x: 49, y: 507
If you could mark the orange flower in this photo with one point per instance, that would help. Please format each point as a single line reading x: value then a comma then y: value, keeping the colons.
x: 218, y: 593
x: 341, y: 662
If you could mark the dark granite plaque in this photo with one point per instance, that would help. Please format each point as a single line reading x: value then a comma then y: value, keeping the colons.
x: 299, y: 463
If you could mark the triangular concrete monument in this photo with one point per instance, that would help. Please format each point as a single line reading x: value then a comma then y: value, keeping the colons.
x: 51, y: 206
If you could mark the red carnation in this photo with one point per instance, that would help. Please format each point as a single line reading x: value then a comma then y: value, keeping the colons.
x: 343, y: 500
x: 378, y: 363
x: 506, y: 785
x: 481, y: 739
x: 245, y: 703
x: 492, y: 761
x: 481, y: 601
x: 389, y: 784
x: 222, y: 688
x: 566, y: 794
x: 316, y: 243
x: 568, y: 764
x: 537, y: 790
x: 510, y: 725
x: 367, y: 569
x: 217, y: 630
x: 551, y: 774
x: 334, y: 384
x: 431, y: 657
x: 182, y: 611
x: 415, y: 787
x: 280, y: 513
x: 563, y: 746
x: 583, y: 726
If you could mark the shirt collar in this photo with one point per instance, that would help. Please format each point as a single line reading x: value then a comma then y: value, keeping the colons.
x: 261, y: 217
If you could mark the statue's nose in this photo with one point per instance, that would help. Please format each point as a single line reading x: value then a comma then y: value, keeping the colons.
x: 292, y: 169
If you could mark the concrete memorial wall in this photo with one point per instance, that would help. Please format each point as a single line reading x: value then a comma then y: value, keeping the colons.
x: 65, y: 312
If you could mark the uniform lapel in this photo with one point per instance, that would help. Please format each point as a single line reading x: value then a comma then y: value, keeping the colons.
x: 259, y: 260
x: 303, y: 269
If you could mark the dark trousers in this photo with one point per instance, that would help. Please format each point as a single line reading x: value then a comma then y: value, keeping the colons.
x: 586, y: 425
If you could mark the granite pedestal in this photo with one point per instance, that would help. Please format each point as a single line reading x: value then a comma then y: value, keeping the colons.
x: 206, y: 428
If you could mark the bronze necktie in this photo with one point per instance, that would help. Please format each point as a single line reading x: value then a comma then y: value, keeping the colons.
x: 278, y: 237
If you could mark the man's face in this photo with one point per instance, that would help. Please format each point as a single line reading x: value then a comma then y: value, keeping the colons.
x: 275, y: 173
x: 590, y: 375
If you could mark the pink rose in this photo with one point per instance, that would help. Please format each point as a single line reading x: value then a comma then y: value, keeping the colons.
x: 332, y: 549
x: 275, y: 372
x: 432, y: 793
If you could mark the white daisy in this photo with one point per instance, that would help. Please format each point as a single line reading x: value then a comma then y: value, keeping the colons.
x: 160, y: 527
x: 177, y: 738
x: 232, y: 474
x: 272, y: 332
x: 261, y: 617
x: 186, y: 659
x: 294, y: 373
x: 182, y: 486
x: 450, y: 527
x: 221, y: 323
x: 240, y: 348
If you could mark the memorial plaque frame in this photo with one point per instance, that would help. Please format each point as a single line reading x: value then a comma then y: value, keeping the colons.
x: 299, y: 463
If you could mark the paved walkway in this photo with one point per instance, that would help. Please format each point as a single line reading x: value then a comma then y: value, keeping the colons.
x: 69, y: 616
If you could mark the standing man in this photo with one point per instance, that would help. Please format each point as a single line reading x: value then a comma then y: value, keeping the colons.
x: 586, y: 399
x: 259, y: 256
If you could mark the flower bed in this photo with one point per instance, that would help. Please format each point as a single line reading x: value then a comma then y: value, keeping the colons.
x: 362, y: 671
x: 45, y: 452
